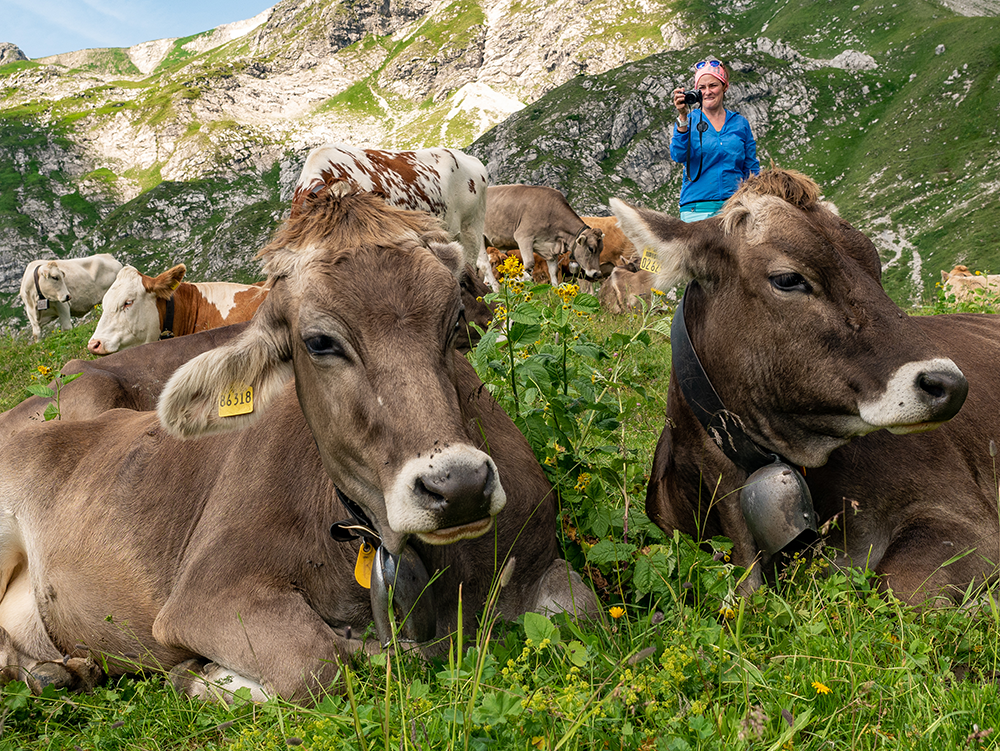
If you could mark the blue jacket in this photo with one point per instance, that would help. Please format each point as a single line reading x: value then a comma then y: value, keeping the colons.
x: 730, y: 156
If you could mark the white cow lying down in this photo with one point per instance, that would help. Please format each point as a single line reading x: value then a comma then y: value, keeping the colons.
x: 70, y: 286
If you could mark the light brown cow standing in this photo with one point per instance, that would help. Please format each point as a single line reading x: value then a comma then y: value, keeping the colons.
x: 810, y: 360
x: 138, y: 309
x: 214, y: 557
x: 537, y: 219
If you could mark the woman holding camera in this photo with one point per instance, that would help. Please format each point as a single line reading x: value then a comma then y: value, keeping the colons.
x: 714, y: 144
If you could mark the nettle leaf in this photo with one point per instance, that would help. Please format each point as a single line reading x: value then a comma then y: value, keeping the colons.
x: 51, y: 412
x: 537, y: 628
x: 607, y: 552
x: 44, y: 392
x: 586, y: 302
x: 653, y: 571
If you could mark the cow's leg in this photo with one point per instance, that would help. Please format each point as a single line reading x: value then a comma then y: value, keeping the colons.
x: 210, y: 681
x: 553, y: 264
x: 65, y: 322
x: 258, y: 634
x: 526, y: 245
x: 913, y: 566
x: 560, y: 589
x: 485, y: 269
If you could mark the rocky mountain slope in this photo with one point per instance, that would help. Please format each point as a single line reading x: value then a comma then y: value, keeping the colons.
x: 186, y: 149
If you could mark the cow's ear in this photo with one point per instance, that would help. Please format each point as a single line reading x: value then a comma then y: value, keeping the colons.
x: 211, y: 393
x: 685, y: 251
x: 163, y: 286
x: 451, y: 254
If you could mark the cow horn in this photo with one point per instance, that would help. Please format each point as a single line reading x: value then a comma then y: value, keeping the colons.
x: 402, y: 583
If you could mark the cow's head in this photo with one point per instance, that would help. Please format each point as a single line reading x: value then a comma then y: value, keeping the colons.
x: 129, y: 316
x: 791, y: 322
x: 52, y: 282
x: 363, y: 311
x: 587, y: 249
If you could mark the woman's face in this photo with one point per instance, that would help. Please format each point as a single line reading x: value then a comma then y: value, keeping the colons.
x: 712, y: 91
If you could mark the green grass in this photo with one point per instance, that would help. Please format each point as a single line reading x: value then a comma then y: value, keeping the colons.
x: 817, y: 660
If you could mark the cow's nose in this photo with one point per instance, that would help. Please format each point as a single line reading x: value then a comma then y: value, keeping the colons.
x: 944, y: 391
x: 455, y: 493
x: 95, y: 347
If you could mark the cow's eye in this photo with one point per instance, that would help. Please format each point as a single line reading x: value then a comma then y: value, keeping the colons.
x: 324, y: 346
x: 127, y: 304
x: 791, y: 282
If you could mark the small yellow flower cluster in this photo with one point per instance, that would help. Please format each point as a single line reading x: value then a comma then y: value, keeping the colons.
x: 500, y: 314
x: 582, y: 481
x: 727, y: 612
x: 511, y: 268
x: 44, y: 369
x: 567, y: 292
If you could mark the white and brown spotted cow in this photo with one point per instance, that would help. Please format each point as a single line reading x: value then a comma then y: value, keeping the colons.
x: 965, y: 285
x: 56, y: 290
x: 537, y: 219
x: 447, y: 183
x: 122, y: 545
x: 138, y: 309
x: 804, y: 357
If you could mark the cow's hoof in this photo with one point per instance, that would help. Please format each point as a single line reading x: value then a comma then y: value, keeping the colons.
x: 74, y: 674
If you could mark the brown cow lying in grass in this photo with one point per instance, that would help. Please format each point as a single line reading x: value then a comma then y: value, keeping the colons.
x: 966, y: 286
x: 804, y: 360
x: 214, y: 557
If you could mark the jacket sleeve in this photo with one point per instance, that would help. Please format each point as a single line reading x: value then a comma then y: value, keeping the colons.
x: 750, y: 153
x: 679, y: 143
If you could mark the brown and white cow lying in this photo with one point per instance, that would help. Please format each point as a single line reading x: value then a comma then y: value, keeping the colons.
x: 537, y: 219
x: 447, y: 183
x: 964, y: 284
x: 57, y: 290
x: 214, y: 557
x: 811, y: 361
x: 626, y: 289
x: 138, y: 309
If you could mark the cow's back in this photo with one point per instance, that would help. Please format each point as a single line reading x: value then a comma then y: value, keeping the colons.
x: 88, y: 279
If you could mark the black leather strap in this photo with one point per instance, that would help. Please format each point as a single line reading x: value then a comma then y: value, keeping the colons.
x: 723, y: 427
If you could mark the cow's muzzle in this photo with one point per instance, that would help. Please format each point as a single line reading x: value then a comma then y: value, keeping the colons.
x: 918, y: 396
x: 449, y: 495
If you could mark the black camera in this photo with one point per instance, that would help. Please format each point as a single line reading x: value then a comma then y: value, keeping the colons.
x: 691, y: 98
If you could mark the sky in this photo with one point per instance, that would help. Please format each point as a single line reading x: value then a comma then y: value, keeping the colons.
x: 47, y: 27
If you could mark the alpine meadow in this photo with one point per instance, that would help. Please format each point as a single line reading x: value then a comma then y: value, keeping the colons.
x: 187, y: 151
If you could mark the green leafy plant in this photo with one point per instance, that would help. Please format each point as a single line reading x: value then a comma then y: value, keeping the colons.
x: 52, y: 391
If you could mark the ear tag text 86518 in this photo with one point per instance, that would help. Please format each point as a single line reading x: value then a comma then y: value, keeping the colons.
x: 237, y: 400
x: 363, y: 567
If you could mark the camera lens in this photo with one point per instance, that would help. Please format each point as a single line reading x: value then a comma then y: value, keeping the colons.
x: 692, y: 98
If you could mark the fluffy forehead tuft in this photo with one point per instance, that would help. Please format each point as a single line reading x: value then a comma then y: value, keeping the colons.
x: 343, y: 219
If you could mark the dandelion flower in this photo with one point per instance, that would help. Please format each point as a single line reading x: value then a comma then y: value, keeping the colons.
x: 820, y: 687
x: 616, y: 612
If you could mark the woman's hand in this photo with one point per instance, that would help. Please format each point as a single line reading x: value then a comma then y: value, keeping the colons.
x: 682, y: 108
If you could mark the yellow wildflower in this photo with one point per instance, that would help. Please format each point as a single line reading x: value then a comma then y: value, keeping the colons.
x: 582, y: 481
x: 511, y: 268
x: 616, y: 612
x: 44, y: 369
x: 728, y: 613
x: 538, y: 741
x: 820, y: 688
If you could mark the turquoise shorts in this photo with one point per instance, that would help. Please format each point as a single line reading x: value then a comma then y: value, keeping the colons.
x: 695, y: 212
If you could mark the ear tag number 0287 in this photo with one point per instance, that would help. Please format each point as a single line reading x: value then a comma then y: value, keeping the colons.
x: 363, y: 567
x: 237, y: 400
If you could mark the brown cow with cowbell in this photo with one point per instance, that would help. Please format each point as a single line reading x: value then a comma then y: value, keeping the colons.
x: 801, y: 393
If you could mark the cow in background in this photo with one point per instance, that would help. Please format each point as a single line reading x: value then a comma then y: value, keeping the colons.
x: 447, y: 183
x: 964, y: 284
x: 537, y: 219
x: 794, y: 357
x: 53, y: 290
x: 618, y: 250
x: 139, y: 309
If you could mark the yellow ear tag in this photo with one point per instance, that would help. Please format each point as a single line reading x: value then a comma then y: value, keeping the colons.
x: 237, y: 400
x: 363, y: 567
x: 649, y: 261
